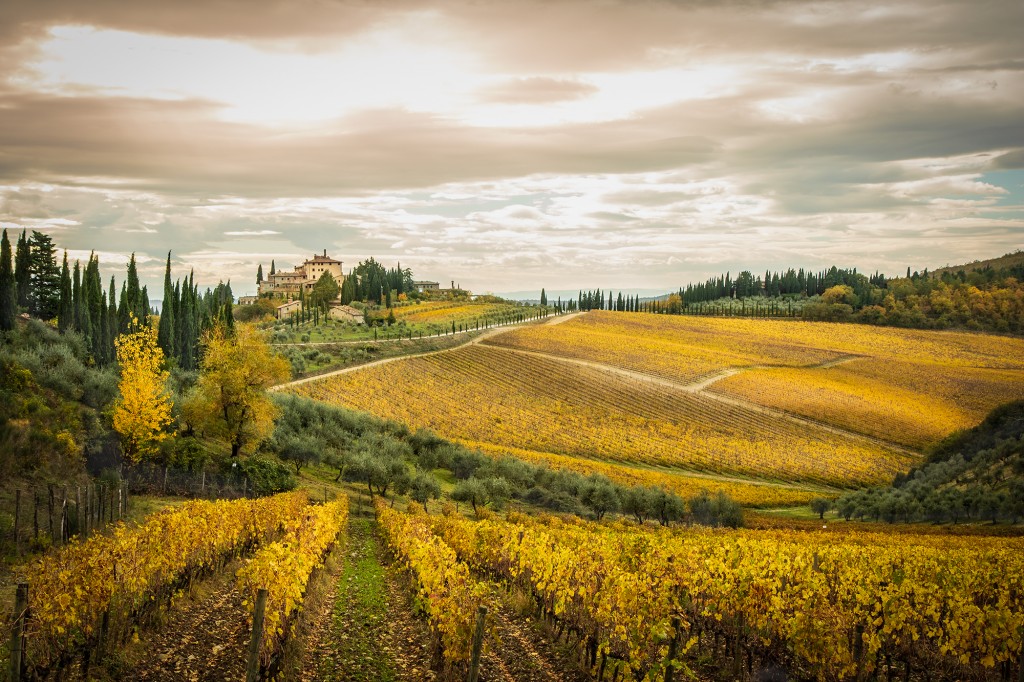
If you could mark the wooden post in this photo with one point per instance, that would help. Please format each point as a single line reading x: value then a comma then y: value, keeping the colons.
x: 49, y: 512
x: 858, y: 647
x: 252, y: 671
x: 17, y: 521
x: 64, y: 516
x: 18, y: 631
x: 737, y: 653
x: 478, y: 642
x: 35, y: 515
x: 78, y: 510
x: 1020, y: 663
x: 672, y: 648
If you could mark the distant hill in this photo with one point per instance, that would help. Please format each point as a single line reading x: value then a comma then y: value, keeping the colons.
x: 1008, y: 261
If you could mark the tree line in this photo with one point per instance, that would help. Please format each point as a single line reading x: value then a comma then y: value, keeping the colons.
x: 986, y: 299
x: 73, y: 296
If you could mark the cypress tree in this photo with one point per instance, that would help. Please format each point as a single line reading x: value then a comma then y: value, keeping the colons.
x: 176, y: 333
x: 76, y: 297
x: 109, y: 323
x: 8, y: 286
x: 134, y: 294
x: 22, y: 278
x: 165, y: 332
x: 123, y: 310
x: 543, y: 297
x: 44, y: 293
x: 65, y: 302
x: 272, y: 270
x: 259, y: 276
x: 94, y: 307
x: 144, y: 298
x: 186, y: 353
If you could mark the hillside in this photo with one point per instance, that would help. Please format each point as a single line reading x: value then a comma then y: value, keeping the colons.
x: 1010, y: 260
x: 767, y: 407
x: 976, y: 475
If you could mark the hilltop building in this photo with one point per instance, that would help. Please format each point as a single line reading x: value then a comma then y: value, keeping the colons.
x: 426, y: 286
x: 289, y: 283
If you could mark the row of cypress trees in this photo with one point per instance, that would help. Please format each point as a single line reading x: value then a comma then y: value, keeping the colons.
x: 185, y: 315
x: 32, y: 282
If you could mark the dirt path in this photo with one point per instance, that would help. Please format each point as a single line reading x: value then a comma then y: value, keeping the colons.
x: 205, y: 637
x: 518, y: 650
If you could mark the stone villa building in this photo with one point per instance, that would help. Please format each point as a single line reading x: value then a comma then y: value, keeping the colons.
x: 288, y: 283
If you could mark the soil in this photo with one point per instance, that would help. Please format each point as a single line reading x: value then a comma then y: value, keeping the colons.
x: 204, y: 636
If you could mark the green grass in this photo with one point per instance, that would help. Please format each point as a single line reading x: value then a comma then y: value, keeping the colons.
x: 359, y: 620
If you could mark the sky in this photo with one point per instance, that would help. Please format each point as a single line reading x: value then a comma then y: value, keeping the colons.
x: 513, y: 145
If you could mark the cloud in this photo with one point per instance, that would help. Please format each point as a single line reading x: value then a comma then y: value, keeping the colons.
x: 251, y: 233
x: 1010, y: 160
x: 536, y: 90
x: 561, y: 142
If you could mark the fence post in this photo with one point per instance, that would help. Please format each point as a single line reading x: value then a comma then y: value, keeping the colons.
x: 17, y: 521
x: 478, y: 642
x: 252, y: 670
x: 737, y: 652
x: 18, y: 631
x: 49, y: 513
x: 672, y: 649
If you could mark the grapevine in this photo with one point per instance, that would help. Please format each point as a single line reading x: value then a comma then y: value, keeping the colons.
x: 283, y: 568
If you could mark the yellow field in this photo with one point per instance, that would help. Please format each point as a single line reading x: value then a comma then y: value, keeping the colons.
x: 747, y: 494
x: 677, y: 348
x: 911, y: 387
x: 496, y: 396
x: 914, y: 404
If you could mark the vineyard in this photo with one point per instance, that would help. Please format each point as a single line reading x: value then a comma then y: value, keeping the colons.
x: 909, y: 387
x: 747, y: 493
x: 636, y: 601
x: 912, y: 403
x: 491, y: 395
x: 683, y: 349
x: 90, y: 597
x: 446, y: 312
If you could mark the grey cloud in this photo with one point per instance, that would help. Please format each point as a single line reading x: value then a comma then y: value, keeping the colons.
x: 179, y: 147
x: 1010, y: 160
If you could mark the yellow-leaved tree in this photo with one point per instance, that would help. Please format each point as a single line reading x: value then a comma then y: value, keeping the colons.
x: 230, y: 400
x: 142, y: 411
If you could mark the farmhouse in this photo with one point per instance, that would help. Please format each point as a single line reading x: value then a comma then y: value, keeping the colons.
x: 289, y: 283
x: 346, y: 313
x: 426, y: 286
x: 288, y: 309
